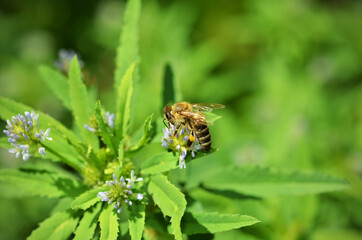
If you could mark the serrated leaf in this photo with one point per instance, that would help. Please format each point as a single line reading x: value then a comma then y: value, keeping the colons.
x: 147, y: 127
x: 41, y: 184
x: 105, y: 132
x: 201, y: 222
x: 108, y: 221
x: 267, y: 182
x: 123, y: 104
x: 171, y: 90
x: 170, y: 200
x: 87, y: 199
x: 41, y: 165
x: 166, y: 161
x: 57, y: 83
x: 127, y: 52
x: 57, y: 227
x: 65, y: 153
x: 79, y: 102
x: 88, y: 223
x: 136, y: 220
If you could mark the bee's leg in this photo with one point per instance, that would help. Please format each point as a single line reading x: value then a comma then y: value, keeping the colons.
x: 176, y: 129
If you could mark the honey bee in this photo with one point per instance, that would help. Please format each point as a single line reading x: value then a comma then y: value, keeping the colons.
x: 191, y: 117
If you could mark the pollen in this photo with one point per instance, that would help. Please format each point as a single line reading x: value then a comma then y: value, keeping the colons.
x: 192, y: 138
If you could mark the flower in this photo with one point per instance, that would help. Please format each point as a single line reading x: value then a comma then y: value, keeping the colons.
x: 133, y: 178
x: 180, y: 141
x: 65, y: 57
x: 25, y: 136
x: 121, y: 192
x: 109, y: 119
x: 92, y: 125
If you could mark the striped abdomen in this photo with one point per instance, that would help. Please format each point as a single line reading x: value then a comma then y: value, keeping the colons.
x: 203, y: 135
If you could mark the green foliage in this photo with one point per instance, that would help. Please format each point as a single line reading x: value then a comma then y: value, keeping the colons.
x: 147, y: 131
x: 125, y: 91
x: 87, y: 199
x: 170, y: 200
x: 136, y: 220
x: 105, y: 132
x: 58, y: 226
x: 88, y: 224
x: 79, y: 100
x: 108, y: 223
x: 57, y: 83
x: 284, y: 72
x: 51, y: 185
x: 266, y: 182
x: 201, y: 222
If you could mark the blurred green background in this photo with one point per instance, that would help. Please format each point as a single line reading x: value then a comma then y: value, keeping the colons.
x: 289, y: 73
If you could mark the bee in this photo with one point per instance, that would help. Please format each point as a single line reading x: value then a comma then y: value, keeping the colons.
x: 191, y: 116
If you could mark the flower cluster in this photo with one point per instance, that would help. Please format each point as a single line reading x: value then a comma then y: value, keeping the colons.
x: 120, y: 191
x: 25, y: 136
x: 92, y: 125
x: 180, y: 141
x: 65, y: 57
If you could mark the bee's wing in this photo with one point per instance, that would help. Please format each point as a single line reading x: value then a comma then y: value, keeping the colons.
x: 206, y: 107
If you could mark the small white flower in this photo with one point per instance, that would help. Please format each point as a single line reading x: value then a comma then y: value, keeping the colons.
x: 133, y: 178
x: 42, y: 151
x: 89, y: 128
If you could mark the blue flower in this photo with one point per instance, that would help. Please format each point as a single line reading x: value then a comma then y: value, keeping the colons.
x: 65, y: 57
x: 180, y: 141
x: 25, y: 136
x: 121, y: 192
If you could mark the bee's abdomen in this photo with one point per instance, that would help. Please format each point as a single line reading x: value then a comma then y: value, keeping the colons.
x: 203, y: 135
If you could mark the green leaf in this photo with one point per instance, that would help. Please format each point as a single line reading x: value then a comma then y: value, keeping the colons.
x: 87, y: 199
x: 65, y: 152
x: 171, y: 90
x: 170, y: 200
x: 108, y: 221
x: 58, y: 226
x: 127, y: 52
x: 201, y: 222
x: 79, y: 101
x: 136, y: 220
x: 51, y: 185
x: 41, y: 165
x: 159, y: 163
x: 9, y: 108
x: 105, y: 131
x: 147, y: 129
x: 88, y: 224
x: 57, y: 83
x: 166, y: 161
x: 123, y: 104
x: 267, y: 182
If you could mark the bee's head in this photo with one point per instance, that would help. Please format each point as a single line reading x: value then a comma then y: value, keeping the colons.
x: 167, y: 112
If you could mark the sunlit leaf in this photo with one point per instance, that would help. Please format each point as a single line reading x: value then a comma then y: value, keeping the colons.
x: 108, y: 221
x: 59, y: 226
x: 87, y: 199
x: 88, y: 223
x: 57, y: 83
x: 79, y: 102
x: 201, y: 222
x: 170, y: 200
x: 46, y: 184
x: 136, y: 220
